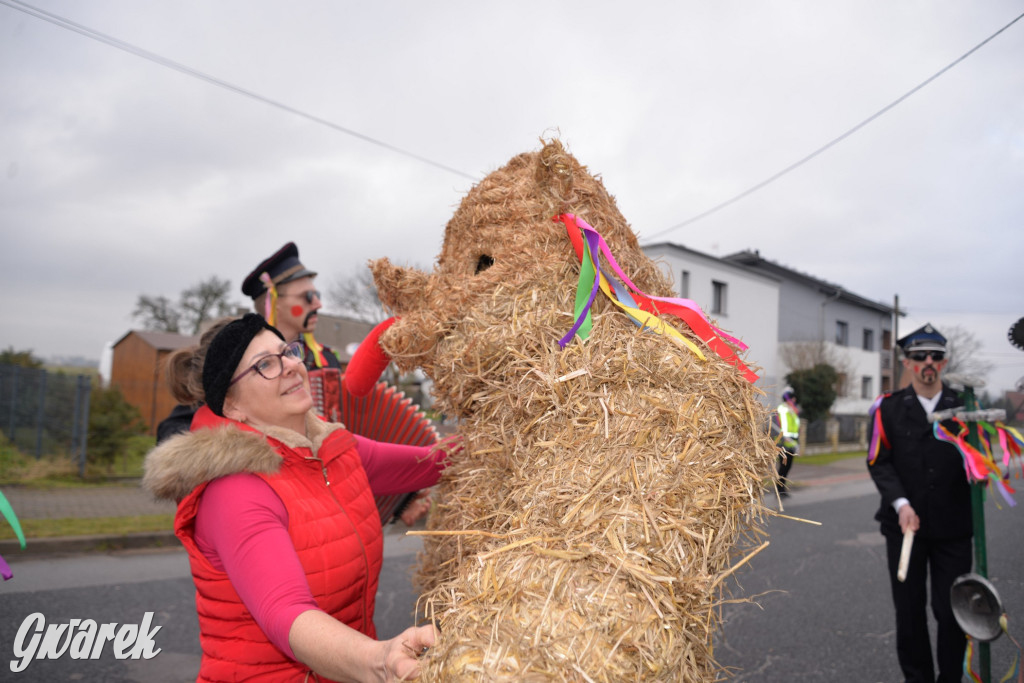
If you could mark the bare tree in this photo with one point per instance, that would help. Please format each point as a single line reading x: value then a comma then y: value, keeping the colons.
x: 806, y: 355
x: 964, y: 353
x: 205, y: 301
x: 157, y: 313
x: 355, y: 295
x: 198, y: 304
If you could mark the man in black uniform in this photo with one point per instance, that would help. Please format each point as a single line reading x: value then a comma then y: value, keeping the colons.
x: 282, y: 291
x: 924, y: 490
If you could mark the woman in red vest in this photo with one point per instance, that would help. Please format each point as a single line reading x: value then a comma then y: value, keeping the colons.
x: 276, y: 512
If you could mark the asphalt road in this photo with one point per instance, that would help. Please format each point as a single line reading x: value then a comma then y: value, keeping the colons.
x: 120, y: 587
x: 822, y: 611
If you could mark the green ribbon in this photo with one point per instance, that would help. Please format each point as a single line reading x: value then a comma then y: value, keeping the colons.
x: 584, y: 288
x: 12, y: 519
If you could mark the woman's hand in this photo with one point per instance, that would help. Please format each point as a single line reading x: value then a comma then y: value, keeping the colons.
x: 402, y: 653
x: 332, y: 649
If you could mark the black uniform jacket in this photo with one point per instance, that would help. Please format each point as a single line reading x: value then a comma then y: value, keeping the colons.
x: 911, y: 463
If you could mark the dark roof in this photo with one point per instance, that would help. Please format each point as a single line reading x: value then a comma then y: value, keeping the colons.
x: 162, y: 341
x: 754, y: 261
x: 339, y: 331
x: 687, y: 250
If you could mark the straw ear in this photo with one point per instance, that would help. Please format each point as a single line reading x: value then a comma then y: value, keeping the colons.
x: 555, y: 175
x: 368, y: 362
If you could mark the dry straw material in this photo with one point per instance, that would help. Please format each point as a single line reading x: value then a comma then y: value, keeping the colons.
x: 607, y: 489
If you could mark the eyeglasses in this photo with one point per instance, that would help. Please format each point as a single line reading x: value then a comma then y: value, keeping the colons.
x: 920, y: 356
x: 308, y: 295
x: 272, y: 365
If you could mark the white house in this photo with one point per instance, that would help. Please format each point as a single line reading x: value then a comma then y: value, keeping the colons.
x: 855, y: 333
x: 781, y: 314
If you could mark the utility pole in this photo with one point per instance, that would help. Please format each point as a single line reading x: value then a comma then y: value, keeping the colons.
x: 895, y: 336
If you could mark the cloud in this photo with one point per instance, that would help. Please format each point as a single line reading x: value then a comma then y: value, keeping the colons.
x: 122, y: 177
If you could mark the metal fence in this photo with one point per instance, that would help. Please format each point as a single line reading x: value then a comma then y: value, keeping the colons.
x: 850, y: 428
x: 45, y: 413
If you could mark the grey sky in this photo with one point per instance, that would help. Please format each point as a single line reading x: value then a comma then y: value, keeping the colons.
x: 121, y: 176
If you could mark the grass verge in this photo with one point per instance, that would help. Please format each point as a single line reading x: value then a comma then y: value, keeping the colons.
x: 89, y: 526
x: 119, y: 526
x: 829, y: 458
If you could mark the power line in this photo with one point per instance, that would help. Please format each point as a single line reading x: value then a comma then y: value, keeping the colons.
x: 189, y: 71
x: 835, y: 141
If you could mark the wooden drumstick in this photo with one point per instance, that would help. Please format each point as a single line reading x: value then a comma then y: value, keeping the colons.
x: 908, y: 542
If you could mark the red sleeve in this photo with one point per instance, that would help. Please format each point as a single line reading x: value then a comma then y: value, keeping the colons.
x: 398, y: 468
x: 242, y: 529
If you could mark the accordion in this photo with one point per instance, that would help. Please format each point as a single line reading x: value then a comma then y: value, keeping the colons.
x: 385, y: 414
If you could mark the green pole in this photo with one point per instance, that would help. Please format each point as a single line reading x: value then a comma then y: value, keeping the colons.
x: 978, y: 517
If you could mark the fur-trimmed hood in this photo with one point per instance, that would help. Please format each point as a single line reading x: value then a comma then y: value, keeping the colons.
x: 221, y: 447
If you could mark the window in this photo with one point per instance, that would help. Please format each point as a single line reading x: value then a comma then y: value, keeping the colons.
x: 869, y: 339
x: 840, y: 384
x: 886, y: 340
x: 684, y: 284
x: 886, y: 384
x: 867, y: 385
x: 842, y: 333
x: 719, y: 291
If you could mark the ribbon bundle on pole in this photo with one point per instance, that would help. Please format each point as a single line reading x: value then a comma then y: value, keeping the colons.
x: 642, y: 308
x: 980, y: 464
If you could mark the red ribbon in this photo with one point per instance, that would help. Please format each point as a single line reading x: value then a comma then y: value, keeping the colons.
x: 693, y: 319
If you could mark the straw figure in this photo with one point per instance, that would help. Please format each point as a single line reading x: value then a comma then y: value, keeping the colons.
x: 607, y: 488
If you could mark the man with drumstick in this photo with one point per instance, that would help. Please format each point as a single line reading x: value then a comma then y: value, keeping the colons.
x: 926, y: 500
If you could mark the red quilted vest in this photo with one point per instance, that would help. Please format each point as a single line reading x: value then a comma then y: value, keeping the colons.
x: 336, y: 531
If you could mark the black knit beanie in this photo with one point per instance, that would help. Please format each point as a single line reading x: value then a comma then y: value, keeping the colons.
x: 225, y: 353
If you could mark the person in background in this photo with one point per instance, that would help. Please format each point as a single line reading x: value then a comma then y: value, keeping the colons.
x: 282, y: 291
x: 924, y: 490
x: 788, y: 417
x: 276, y: 512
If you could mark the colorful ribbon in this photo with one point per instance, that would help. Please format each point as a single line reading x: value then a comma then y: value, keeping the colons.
x: 980, y: 465
x: 968, y: 659
x: 12, y: 519
x: 270, y: 303
x: 878, y: 436
x: 1015, y: 670
x: 316, y: 347
x: 590, y: 270
x: 640, y: 307
x: 1009, y: 439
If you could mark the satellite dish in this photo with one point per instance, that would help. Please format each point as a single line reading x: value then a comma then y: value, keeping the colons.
x: 976, y: 607
x: 1016, y: 334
